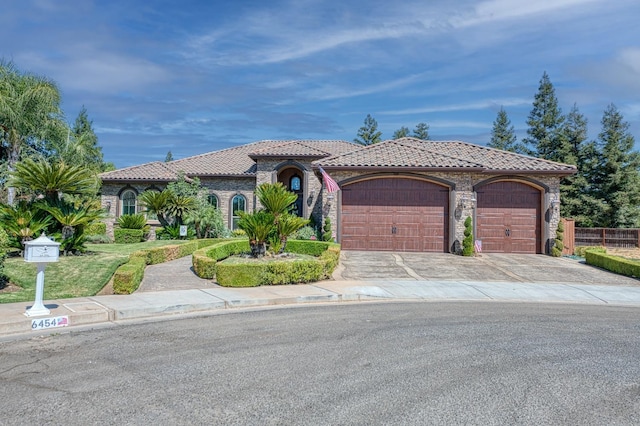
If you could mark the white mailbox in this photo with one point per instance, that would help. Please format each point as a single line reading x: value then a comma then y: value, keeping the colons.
x: 41, y: 250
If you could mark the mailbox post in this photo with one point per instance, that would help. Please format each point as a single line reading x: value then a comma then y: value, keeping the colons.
x: 40, y: 251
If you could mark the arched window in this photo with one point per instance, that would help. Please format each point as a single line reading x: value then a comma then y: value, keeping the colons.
x: 239, y: 203
x: 128, y: 198
x: 212, y: 199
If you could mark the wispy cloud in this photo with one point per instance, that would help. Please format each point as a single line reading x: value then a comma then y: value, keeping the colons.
x: 466, y: 106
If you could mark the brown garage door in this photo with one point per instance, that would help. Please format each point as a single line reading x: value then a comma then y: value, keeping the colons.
x: 395, y: 214
x: 508, y: 218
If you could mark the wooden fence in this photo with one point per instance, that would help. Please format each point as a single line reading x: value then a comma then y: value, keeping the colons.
x: 607, y: 237
x: 569, y: 236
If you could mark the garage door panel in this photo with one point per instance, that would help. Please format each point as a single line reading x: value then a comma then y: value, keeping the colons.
x: 508, y: 218
x: 401, y: 215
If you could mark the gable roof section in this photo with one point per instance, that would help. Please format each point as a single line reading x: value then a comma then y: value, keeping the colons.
x: 230, y: 162
x: 301, y: 149
x: 411, y: 153
x: 155, y: 171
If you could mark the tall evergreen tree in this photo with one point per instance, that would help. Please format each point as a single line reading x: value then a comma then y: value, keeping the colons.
x: 503, y: 134
x: 619, y: 188
x: 169, y: 157
x: 421, y: 131
x: 368, y: 134
x: 401, y: 133
x: 545, y: 123
x: 83, y: 147
x: 578, y: 201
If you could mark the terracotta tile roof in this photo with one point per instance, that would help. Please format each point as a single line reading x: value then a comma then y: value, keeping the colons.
x: 299, y: 149
x: 441, y: 155
x: 235, y: 161
x: 155, y: 171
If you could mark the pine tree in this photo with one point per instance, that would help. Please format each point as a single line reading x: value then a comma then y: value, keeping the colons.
x: 368, y: 134
x: 503, y: 133
x: 421, y: 131
x: 169, y: 157
x: 577, y: 201
x: 620, y: 172
x: 545, y: 122
x: 402, y: 132
x: 81, y: 146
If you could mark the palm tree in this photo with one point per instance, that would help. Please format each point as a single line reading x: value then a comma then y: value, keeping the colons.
x: 28, y: 106
x: 278, y: 201
x: 73, y: 220
x: 257, y: 226
x: 52, y: 179
x: 22, y: 222
x: 157, y: 202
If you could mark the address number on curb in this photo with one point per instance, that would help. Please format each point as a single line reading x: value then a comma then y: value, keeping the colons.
x: 43, y: 323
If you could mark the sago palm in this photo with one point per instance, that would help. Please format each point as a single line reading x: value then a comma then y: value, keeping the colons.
x: 22, y: 222
x: 156, y: 202
x: 52, y: 179
x: 257, y: 226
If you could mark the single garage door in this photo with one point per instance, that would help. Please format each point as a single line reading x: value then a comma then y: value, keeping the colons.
x: 395, y: 214
x: 508, y: 218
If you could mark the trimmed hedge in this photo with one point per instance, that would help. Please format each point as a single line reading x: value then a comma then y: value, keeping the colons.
x: 616, y: 264
x: 206, y: 264
x: 96, y: 228
x: 205, y: 260
x: 128, y: 236
x: 128, y: 277
x: 581, y: 250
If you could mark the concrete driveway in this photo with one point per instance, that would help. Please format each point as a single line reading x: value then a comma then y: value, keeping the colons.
x: 361, y: 265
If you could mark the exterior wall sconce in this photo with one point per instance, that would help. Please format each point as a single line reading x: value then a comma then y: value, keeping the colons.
x: 555, y: 203
x: 467, y: 202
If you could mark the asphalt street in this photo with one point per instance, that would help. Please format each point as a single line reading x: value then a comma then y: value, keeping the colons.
x: 369, y: 363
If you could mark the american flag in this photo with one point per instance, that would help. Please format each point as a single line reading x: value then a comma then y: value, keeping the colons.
x: 329, y: 183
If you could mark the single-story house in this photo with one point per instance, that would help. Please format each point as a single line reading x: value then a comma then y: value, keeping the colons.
x: 397, y: 195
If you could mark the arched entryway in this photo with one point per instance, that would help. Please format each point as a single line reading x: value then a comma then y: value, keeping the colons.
x: 395, y: 214
x: 508, y: 217
x: 293, y: 179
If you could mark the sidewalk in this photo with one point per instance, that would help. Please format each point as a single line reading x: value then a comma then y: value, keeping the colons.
x: 148, y: 304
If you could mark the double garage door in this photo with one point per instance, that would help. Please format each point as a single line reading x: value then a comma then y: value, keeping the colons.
x: 395, y: 214
x: 402, y: 214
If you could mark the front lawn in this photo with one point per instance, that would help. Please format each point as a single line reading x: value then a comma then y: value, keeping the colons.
x: 72, y: 276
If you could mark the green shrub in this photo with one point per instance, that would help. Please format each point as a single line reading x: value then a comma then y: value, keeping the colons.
x: 128, y: 277
x: 467, y: 242
x: 304, y: 233
x: 172, y: 232
x: 558, y: 245
x: 615, y: 264
x: 327, y: 234
x: 580, y: 251
x: 238, y: 233
x: 4, y: 248
x: 206, y: 265
x: 128, y: 236
x: 204, y: 260
x: 242, y: 275
x: 96, y: 228
x: 98, y: 239
x: 132, y: 221
x: 312, y: 248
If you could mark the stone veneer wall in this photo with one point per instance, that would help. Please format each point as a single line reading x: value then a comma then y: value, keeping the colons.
x: 464, y: 184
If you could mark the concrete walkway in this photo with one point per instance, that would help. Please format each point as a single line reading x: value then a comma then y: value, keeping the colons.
x: 171, y: 288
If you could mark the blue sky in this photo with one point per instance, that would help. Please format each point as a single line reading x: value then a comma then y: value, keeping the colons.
x: 196, y: 76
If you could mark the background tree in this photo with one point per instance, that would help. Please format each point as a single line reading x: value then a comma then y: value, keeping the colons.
x: 619, y: 188
x: 421, y: 131
x: 503, y: 134
x: 29, y: 110
x: 368, y: 134
x: 545, y: 123
x: 79, y: 145
x: 401, y: 133
x: 169, y: 157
